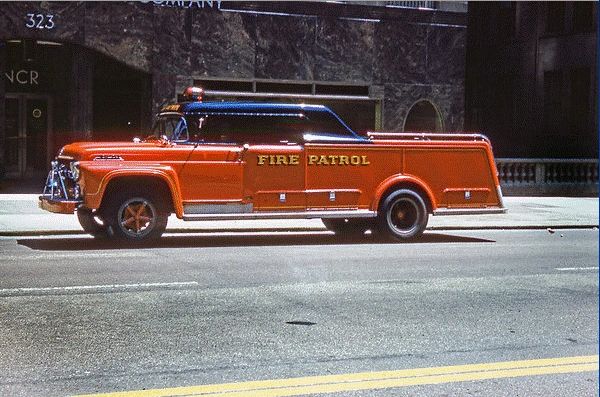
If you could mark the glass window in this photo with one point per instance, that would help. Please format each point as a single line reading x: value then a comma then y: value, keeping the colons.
x: 251, y: 128
x: 240, y: 128
x: 325, y: 122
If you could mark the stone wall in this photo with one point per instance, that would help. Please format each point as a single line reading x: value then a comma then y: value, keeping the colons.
x: 407, y: 54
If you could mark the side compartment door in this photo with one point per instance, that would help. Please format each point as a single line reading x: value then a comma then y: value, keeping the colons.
x: 338, y: 176
x: 274, y: 177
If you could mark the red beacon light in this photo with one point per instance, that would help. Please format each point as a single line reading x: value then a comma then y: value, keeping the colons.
x: 193, y: 94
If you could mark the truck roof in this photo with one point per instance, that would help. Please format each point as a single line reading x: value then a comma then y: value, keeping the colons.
x: 251, y: 107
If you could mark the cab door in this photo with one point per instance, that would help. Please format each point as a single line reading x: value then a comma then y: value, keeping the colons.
x: 210, y: 171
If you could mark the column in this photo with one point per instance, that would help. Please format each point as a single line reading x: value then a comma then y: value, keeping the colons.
x: 81, y: 94
x: 2, y: 106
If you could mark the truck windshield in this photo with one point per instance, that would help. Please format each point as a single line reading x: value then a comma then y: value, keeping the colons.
x: 176, y: 127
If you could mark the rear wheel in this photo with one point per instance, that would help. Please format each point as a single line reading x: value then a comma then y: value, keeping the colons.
x: 403, y: 215
x: 136, y: 216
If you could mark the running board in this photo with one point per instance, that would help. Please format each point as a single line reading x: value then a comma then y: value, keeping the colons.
x: 281, y: 215
x: 469, y: 211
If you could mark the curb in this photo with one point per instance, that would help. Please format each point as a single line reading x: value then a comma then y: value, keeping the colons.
x: 299, y: 230
x: 525, y: 227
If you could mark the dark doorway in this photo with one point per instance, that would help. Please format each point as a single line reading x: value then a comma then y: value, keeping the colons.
x: 423, y: 116
x: 120, y: 97
x: 28, y: 134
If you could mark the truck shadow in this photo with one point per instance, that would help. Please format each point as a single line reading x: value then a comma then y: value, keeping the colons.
x: 85, y: 243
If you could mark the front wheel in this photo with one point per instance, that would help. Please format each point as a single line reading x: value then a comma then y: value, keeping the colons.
x: 403, y: 215
x: 136, y: 216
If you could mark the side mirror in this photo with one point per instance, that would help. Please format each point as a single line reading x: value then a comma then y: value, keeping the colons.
x: 245, y: 148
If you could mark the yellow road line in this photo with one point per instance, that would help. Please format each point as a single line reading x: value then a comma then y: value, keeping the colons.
x: 376, y: 380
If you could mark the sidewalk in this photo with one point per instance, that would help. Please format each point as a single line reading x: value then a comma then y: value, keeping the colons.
x: 20, y: 216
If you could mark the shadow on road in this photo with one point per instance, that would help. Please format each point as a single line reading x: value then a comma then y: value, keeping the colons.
x: 206, y: 241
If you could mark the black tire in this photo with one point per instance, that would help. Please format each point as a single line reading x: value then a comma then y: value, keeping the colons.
x: 87, y: 220
x: 136, y: 216
x: 344, y: 227
x: 402, y: 215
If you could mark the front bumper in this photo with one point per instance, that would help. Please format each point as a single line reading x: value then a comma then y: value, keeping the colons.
x: 61, y: 192
x: 58, y: 206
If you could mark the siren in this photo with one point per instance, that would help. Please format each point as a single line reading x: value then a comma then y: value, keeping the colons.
x: 193, y: 94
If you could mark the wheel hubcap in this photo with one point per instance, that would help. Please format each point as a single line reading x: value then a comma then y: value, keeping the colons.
x: 137, y: 217
x: 404, y: 215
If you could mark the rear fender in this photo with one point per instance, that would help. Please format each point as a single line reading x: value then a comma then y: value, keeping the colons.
x: 402, y: 181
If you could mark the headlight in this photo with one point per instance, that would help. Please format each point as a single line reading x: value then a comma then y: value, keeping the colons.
x: 75, y: 170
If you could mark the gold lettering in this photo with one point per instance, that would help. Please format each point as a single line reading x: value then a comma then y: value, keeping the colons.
x: 282, y: 159
x: 323, y: 160
x: 262, y: 158
x: 332, y: 159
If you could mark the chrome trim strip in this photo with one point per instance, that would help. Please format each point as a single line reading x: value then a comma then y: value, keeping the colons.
x: 282, y: 215
x: 246, y: 94
x: 426, y: 136
x: 229, y: 208
x: 469, y: 211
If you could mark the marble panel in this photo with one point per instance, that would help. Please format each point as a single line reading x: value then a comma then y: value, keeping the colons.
x: 399, y: 98
x: 400, y: 53
x: 223, y: 44
x: 344, y: 50
x: 163, y: 90
x: 122, y: 31
x: 66, y: 23
x: 446, y: 55
x: 285, y: 47
x: 171, y: 49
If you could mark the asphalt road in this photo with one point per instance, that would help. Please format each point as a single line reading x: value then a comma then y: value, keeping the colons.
x: 80, y: 316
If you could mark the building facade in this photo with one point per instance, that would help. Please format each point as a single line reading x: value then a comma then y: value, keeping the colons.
x: 100, y: 70
x: 531, y: 80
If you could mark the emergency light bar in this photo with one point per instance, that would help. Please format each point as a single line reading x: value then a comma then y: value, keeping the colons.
x: 193, y: 94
